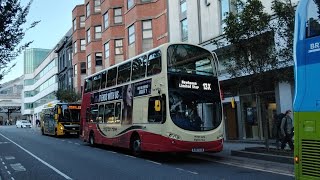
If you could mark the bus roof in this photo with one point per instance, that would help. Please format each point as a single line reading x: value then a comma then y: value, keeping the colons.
x: 144, y: 53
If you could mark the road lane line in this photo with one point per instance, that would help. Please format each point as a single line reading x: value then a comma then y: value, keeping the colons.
x: 192, y: 172
x: 9, y: 172
x: 154, y: 162
x: 76, y: 143
x: 5, y: 167
x: 39, y: 159
x: 12, y: 178
x: 70, y: 142
x: 130, y: 156
x: 3, y: 163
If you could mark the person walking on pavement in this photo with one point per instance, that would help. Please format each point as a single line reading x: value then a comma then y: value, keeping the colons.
x: 287, y: 130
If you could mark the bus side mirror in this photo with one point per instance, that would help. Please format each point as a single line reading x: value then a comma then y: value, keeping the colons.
x: 56, y: 116
x: 157, y: 105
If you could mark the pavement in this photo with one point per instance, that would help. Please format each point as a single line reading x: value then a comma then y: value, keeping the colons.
x: 237, y: 153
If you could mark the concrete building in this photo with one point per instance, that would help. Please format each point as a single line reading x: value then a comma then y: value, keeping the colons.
x: 108, y: 32
x: 10, y: 101
x: 39, y: 86
x: 201, y: 22
x: 65, y: 68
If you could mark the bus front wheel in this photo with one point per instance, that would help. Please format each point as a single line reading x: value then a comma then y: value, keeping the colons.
x: 136, y: 145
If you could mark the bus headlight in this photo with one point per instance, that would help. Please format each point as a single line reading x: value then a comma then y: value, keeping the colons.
x: 174, y: 136
x: 296, y: 159
x: 61, y: 127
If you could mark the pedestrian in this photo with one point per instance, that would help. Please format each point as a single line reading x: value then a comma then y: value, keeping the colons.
x: 277, y: 128
x: 287, y: 130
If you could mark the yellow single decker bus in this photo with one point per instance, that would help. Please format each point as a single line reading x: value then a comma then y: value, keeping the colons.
x: 61, y: 119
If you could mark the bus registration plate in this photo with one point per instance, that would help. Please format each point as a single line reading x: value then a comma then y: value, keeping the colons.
x: 197, y: 149
x: 73, y: 132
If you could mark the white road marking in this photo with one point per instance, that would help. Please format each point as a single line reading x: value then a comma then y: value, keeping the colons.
x: 192, y: 172
x: 5, y: 167
x: 63, y: 140
x: 4, y: 142
x: 154, y: 162
x: 39, y: 159
x: 130, y: 156
x: 8, y: 172
x: 69, y: 142
x: 113, y: 152
x: 12, y: 178
x: 18, y: 167
x: 76, y: 143
x: 3, y: 163
x: 9, y: 157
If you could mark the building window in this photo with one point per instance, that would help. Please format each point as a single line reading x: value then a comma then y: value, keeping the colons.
x: 83, y: 68
x: 88, y: 36
x: 82, y: 45
x: 184, y: 30
x: 130, y: 3
x: 131, y: 34
x: 97, y: 5
x: 144, y: 1
x: 106, y: 50
x: 118, y: 46
x: 82, y: 21
x: 146, y: 29
x: 89, y: 61
x: 118, y: 16
x: 106, y: 20
x: 88, y: 10
x: 75, y: 70
x: 224, y: 9
x: 97, y: 32
x: 74, y: 24
x: 98, y: 59
x: 75, y: 47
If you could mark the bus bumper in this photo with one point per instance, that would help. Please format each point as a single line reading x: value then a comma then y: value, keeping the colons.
x: 173, y: 145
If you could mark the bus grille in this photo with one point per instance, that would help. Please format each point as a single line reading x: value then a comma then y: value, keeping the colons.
x: 310, y: 158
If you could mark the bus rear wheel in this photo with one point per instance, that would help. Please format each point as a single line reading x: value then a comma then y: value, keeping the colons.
x: 136, y: 145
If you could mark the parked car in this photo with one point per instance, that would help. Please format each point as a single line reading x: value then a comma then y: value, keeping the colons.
x: 23, y: 124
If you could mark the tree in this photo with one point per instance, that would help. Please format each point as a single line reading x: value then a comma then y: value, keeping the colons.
x: 67, y: 95
x: 257, y: 43
x: 12, y: 32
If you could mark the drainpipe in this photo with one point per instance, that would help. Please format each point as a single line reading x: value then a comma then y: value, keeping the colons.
x: 199, y: 22
x: 168, y: 22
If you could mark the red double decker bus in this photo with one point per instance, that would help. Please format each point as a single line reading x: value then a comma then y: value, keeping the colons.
x: 164, y: 100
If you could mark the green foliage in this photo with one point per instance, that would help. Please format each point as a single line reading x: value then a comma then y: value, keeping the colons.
x: 12, y: 18
x: 257, y: 42
x: 68, y: 96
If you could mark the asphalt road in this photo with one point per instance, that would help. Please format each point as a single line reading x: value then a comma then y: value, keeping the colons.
x: 27, y: 155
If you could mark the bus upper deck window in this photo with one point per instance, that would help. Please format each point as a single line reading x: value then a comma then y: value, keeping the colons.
x: 313, y: 20
x: 154, y: 63
x: 88, y: 85
x: 111, y: 77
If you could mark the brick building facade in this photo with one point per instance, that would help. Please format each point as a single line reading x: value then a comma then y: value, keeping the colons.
x: 108, y: 32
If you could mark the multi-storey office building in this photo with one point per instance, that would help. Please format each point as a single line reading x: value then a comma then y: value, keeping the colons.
x: 65, y: 68
x: 10, y: 101
x: 39, y: 86
x: 201, y: 22
x: 109, y: 32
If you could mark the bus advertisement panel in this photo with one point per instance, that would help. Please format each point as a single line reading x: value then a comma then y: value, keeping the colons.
x: 164, y: 100
x: 307, y: 96
x: 61, y: 119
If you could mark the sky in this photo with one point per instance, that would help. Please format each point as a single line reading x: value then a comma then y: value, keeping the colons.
x: 56, y: 20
